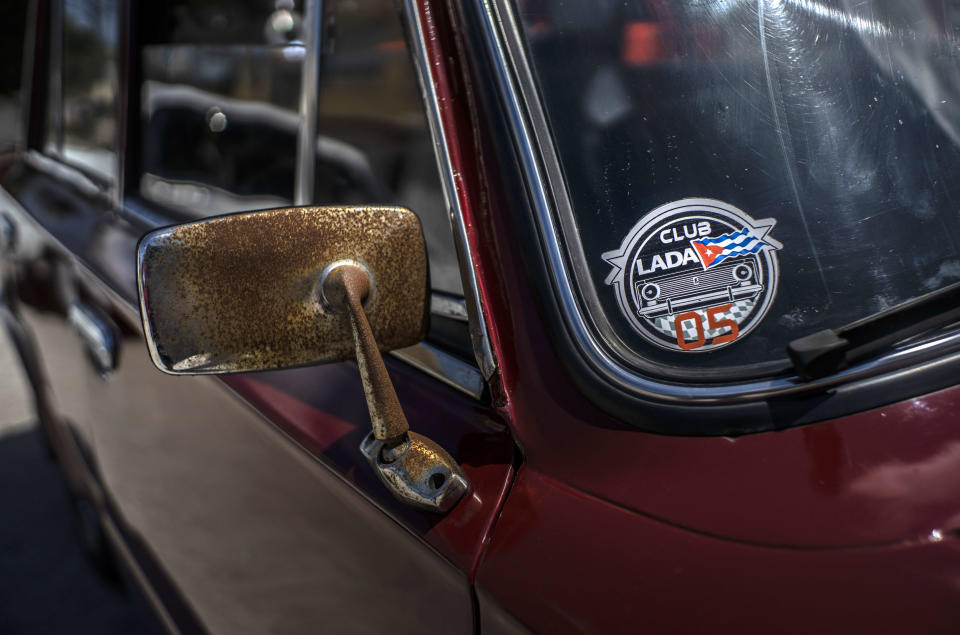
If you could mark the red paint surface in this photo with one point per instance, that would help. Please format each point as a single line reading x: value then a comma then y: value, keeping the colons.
x: 562, y: 561
x: 872, y: 478
x: 312, y: 427
x: 318, y: 407
x: 457, y: 120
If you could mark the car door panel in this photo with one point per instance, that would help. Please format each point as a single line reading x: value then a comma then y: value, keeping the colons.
x: 257, y: 522
x: 257, y: 533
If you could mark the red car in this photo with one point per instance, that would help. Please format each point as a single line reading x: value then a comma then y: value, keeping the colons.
x: 668, y: 291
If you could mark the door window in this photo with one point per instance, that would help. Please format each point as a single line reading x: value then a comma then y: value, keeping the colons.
x: 219, y: 94
x: 83, y: 95
x: 220, y: 113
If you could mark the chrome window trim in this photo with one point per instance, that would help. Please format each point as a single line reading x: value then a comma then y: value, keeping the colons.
x: 444, y: 367
x: 52, y: 113
x: 447, y: 306
x: 535, y: 149
x: 65, y: 171
x: 53, y: 119
x: 309, y: 88
x: 479, y: 337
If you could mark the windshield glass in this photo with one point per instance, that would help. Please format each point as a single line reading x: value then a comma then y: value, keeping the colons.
x: 742, y: 173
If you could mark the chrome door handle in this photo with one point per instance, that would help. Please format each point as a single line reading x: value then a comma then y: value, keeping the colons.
x: 97, y: 335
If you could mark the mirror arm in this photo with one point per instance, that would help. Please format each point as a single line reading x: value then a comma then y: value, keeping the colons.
x: 389, y: 423
x: 416, y: 470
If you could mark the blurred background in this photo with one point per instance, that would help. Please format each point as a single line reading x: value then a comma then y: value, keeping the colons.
x: 49, y: 583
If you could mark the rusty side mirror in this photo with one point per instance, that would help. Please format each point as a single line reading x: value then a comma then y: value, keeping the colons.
x: 244, y: 292
x: 297, y: 286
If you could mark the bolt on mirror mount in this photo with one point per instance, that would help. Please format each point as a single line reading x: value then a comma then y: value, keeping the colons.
x: 296, y: 286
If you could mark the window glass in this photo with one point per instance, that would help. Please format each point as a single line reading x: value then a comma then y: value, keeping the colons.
x: 219, y: 99
x: 839, y: 120
x: 220, y: 103
x: 89, y: 80
x: 374, y: 144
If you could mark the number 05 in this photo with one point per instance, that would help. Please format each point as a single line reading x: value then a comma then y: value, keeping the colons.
x: 712, y: 323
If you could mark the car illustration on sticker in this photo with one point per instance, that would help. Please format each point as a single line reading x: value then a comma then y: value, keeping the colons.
x: 677, y: 293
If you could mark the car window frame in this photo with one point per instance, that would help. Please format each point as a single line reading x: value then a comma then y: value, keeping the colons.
x: 468, y: 376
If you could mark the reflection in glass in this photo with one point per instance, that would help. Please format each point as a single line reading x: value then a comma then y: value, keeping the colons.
x: 89, y: 68
x: 220, y: 106
x: 220, y: 95
x: 220, y: 131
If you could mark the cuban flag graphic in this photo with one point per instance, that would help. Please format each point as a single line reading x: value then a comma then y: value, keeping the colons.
x: 712, y: 251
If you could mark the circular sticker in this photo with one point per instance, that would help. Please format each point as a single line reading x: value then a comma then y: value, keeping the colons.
x: 695, y: 275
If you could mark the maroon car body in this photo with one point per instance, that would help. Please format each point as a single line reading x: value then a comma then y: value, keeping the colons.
x: 242, y: 504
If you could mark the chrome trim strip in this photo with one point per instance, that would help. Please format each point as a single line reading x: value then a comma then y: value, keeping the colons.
x: 447, y: 306
x: 499, y: 26
x: 309, y: 86
x: 136, y: 210
x: 27, y: 88
x: 478, y: 327
x: 65, y: 172
x: 443, y: 366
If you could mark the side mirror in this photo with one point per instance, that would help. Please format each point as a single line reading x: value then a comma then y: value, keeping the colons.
x: 290, y: 287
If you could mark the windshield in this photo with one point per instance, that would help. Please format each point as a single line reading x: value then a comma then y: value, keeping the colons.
x: 742, y: 173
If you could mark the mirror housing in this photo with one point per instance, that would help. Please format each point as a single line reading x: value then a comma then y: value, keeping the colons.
x: 304, y: 285
x: 243, y: 292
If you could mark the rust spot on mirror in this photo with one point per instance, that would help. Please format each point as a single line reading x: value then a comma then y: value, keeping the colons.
x: 242, y: 292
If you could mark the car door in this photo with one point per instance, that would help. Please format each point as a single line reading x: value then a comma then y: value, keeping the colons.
x: 244, y: 501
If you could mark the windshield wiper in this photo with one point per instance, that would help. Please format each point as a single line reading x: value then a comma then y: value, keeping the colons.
x: 831, y: 350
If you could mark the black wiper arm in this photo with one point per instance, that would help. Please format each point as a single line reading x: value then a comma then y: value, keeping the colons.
x: 826, y: 352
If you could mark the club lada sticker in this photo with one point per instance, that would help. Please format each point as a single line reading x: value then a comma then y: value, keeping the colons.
x: 695, y: 275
